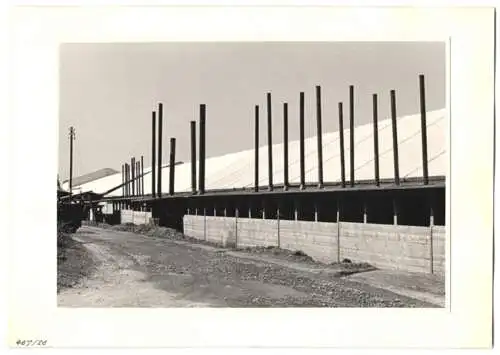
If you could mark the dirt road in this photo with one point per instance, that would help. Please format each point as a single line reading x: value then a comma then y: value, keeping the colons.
x: 132, y: 270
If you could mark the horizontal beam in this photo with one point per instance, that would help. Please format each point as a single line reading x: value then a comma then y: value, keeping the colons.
x: 366, y: 185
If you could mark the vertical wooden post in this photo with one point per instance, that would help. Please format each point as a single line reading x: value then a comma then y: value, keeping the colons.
x: 351, y: 122
x: 132, y: 175
x: 134, y: 168
x: 270, y: 141
x: 395, y: 210
x: 431, y: 230
x: 256, y: 160
x: 237, y: 215
x: 138, y: 163
x: 375, y: 140
x: 129, y: 177
x: 338, y: 229
x: 320, y: 136
x: 142, y: 175
x: 285, y: 146
x: 302, y: 146
x: 205, y: 223
x: 71, y: 139
x: 201, y: 186
x: 193, y: 156
x: 341, y: 140
x: 395, y: 137
x: 153, y: 156
x: 136, y: 177
x: 160, y: 148
x: 123, y: 180
x: 172, y: 167
x: 423, y: 119
x: 126, y: 180
x: 278, y: 222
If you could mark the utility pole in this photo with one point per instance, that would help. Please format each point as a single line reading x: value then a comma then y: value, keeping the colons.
x: 71, y: 139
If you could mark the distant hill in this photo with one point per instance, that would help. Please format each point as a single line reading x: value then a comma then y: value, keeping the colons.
x: 80, y: 180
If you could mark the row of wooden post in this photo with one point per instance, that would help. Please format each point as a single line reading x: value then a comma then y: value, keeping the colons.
x: 132, y: 178
x: 172, y: 162
x: 156, y: 159
x: 133, y: 174
x: 341, y: 140
x: 198, y: 186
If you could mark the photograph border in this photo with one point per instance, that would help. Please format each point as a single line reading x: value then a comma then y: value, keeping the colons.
x: 34, y: 55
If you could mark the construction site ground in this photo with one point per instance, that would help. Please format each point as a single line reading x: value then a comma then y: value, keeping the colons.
x: 106, y: 267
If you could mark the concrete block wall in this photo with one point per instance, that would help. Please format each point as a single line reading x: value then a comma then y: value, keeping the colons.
x: 316, y: 239
x: 439, y: 249
x: 194, y: 226
x: 107, y: 208
x: 135, y: 217
x: 220, y: 230
x: 385, y: 246
x: 256, y: 232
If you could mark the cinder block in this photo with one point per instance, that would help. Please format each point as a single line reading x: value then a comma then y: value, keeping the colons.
x: 316, y: 239
x: 439, y: 249
x: 387, y: 246
x: 256, y: 232
x: 218, y: 228
x: 384, y: 246
x: 194, y: 226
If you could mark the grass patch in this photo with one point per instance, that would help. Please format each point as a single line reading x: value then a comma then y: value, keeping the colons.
x: 73, y: 259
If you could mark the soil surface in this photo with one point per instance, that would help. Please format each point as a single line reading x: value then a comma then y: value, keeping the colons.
x: 133, y: 270
x: 74, y: 263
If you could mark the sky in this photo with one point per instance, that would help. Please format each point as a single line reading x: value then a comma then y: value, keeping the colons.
x: 108, y: 92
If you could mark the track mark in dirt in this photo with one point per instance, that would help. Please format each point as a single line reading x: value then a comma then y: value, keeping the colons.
x: 138, y: 271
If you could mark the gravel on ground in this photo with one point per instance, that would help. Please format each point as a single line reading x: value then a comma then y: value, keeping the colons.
x: 344, y: 268
x: 156, y: 271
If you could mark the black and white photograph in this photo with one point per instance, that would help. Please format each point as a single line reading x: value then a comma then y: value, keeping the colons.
x: 251, y: 177
x: 266, y: 174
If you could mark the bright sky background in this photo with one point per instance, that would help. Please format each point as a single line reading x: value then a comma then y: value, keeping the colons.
x: 108, y: 91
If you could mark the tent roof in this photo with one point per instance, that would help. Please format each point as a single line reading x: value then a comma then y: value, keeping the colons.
x: 236, y: 170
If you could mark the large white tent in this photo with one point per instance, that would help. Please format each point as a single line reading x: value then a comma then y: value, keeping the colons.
x: 236, y: 170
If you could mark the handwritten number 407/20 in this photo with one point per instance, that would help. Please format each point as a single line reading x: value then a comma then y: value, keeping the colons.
x: 31, y: 342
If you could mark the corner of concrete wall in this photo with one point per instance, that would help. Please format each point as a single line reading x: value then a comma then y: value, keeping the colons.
x: 439, y: 249
x: 194, y: 226
x: 387, y: 246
